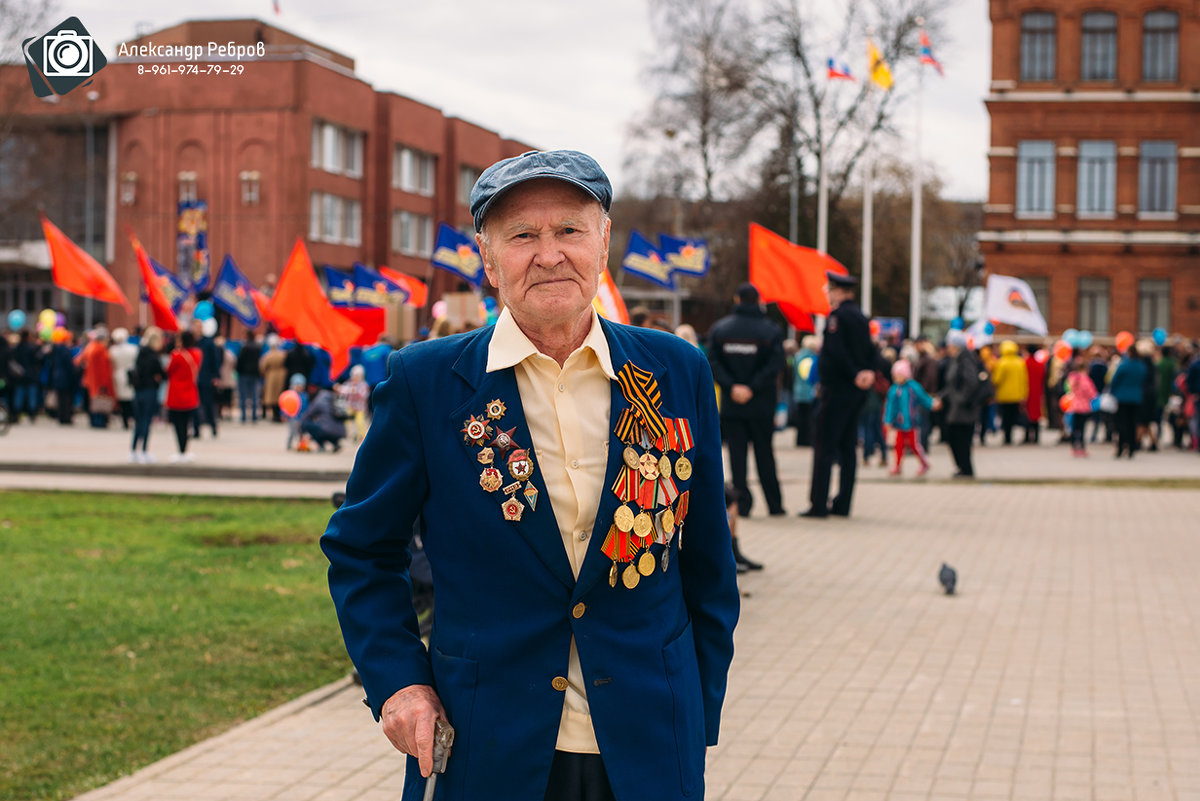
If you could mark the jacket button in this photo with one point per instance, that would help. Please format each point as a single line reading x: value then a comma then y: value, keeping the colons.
x: 559, y: 684
x: 578, y: 611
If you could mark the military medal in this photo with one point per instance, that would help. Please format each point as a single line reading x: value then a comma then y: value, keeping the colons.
x: 475, y: 430
x: 630, y: 577
x: 531, y: 496
x: 496, y: 410
x: 623, y: 518
x: 512, y: 488
x: 667, y: 520
x: 631, y: 458
x: 664, y: 466
x: 512, y: 509
x: 645, y: 564
x: 666, y: 556
x: 643, y: 525
x: 683, y: 468
x: 490, y: 479
x: 520, y: 466
x: 504, y: 440
x: 612, y: 575
x: 487, y: 456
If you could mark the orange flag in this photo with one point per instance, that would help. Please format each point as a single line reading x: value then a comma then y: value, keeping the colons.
x: 791, y: 276
x: 608, y: 301
x: 160, y: 307
x: 299, y: 305
x: 76, y: 271
x: 418, y: 293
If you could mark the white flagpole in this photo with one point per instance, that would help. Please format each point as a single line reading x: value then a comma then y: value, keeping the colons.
x: 914, y: 286
x: 868, y: 240
x: 822, y: 190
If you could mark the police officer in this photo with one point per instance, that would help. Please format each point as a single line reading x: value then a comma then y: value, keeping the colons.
x: 846, y: 373
x: 745, y: 351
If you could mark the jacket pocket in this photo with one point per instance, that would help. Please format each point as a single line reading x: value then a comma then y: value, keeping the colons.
x: 456, y: 678
x: 683, y: 676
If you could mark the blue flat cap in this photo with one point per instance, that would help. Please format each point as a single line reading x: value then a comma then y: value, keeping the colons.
x: 571, y: 166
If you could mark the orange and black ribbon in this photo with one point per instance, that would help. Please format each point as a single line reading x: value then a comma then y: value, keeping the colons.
x: 641, y: 390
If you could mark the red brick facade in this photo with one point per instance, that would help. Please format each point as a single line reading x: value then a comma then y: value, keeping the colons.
x: 1091, y: 102
x: 225, y: 127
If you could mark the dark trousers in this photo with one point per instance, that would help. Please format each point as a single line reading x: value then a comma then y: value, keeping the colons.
x: 127, y: 414
x: 578, y: 777
x: 249, y: 388
x: 1125, y: 421
x: 803, y: 421
x: 1010, y: 413
x: 959, y: 437
x: 739, y: 434
x: 145, y: 406
x: 1078, y: 423
x: 206, y: 413
x: 835, y: 439
x: 181, y: 421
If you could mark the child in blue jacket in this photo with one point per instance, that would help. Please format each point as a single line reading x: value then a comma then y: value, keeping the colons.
x: 900, y: 412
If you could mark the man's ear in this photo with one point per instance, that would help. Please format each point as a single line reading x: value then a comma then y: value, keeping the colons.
x: 488, y: 270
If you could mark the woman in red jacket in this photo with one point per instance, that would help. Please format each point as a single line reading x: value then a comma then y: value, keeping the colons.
x: 183, y: 395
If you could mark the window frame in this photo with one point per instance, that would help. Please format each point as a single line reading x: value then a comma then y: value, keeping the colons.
x: 1098, y: 47
x: 1161, y: 302
x: 1089, y: 167
x: 1098, y: 291
x: 1025, y: 164
x: 1157, y: 66
x: 1038, y: 52
x: 1149, y: 183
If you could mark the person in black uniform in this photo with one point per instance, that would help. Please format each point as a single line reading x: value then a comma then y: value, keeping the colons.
x: 745, y: 350
x: 845, y: 365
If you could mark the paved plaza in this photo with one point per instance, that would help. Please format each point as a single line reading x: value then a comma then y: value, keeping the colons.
x: 1067, y: 667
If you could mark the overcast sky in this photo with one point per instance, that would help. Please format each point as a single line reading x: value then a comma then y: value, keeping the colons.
x: 557, y: 74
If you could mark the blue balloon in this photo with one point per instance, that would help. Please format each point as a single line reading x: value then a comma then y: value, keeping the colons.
x: 203, y: 310
x: 489, y: 303
x: 957, y: 324
x: 1160, y: 336
x: 16, y: 319
x: 1085, y: 339
x: 988, y: 328
x: 1071, y: 337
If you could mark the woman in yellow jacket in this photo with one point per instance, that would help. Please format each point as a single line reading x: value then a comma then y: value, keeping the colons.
x: 1011, y: 379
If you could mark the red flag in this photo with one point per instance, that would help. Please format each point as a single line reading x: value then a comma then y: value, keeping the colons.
x: 791, y: 276
x: 418, y: 293
x: 608, y: 301
x: 300, y: 305
x: 160, y: 307
x: 76, y: 271
x: 262, y: 303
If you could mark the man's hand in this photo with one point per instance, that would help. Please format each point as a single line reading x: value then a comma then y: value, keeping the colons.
x: 937, y: 404
x: 864, y: 379
x: 408, y: 718
x: 740, y: 393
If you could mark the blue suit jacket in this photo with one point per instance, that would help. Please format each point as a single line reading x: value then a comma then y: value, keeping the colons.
x: 654, y: 658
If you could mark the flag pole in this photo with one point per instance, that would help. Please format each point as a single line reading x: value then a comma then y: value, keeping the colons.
x: 822, y: 189
x: 914, y: 287
x: 868, y: 236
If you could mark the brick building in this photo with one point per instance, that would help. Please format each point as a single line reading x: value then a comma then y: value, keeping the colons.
x: 1094, y: 194
x: 296, y: 145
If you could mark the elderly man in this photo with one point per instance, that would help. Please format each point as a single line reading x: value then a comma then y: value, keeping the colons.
x: 586, y: 597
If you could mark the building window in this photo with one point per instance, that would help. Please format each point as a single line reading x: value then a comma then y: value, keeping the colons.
x: 337, y: 150
x: 467, y: 176
x: 1160, y: 46
x: 1037, y: 46
x: 1156, y: 178
x: 314, y: 217
x: 352, y: 154
x: 1097, y: 178
x: 1093, y: 305
x: 188, y: 191
x: 1154, y: 304
x: 1040, y: 285
x: 413, y: 171
x: 1035, y: 178
x: 412, y: 234
x: 334, y: 219
x: 1099, y: 55
x: 352, y: 222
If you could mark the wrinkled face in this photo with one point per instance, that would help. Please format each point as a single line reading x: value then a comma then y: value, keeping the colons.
x: 544, y: 245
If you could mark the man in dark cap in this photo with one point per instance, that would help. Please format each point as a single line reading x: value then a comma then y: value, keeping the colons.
x: 745, y: 351
x: 846, y: 372
x: 577, y: 650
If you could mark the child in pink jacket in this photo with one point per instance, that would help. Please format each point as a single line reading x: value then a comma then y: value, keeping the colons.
x: 1081, y: 392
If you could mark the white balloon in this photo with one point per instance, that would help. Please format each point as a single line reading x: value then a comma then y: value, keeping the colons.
x: 208, y: 327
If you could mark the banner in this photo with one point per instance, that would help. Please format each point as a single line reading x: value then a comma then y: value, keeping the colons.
x: 1010, y: 300
x: 371, y: 289
x: 74, y: 269
x: 155, y: 278
x: 418, y: 292
x: 234, y: 293
x: 457, y: 253
x: 301, y: 309
x: 341, y: 288
x: 191, y: 245
x: 174, y: 291
x: 643, y: 260
x: 791, y: 276
x: 687, y: 256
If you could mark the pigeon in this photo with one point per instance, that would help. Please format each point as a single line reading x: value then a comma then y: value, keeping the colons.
x: 948, y: 577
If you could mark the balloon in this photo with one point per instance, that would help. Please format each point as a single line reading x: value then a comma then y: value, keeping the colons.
x: 208, y: 326
x: 60, y: 320
x: 289, y: 402
x: 1063, y: 350
x: 1071, y: 337
x: 989, y: 328
x: 59, y: 335
x: 203, y: 310
x: 47, y: 318
x: 957, y: 324
x: 1084, y: 339
x: 439, y: 310
x: 1065, y: 402
x: 1160, y: 335
x: 45, y: 333
x: 1124, y: 340
x: 1041, y: 356
x: 874, y: 327
x: 16, y: 319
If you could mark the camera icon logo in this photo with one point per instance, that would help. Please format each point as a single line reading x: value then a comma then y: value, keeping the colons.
x: 63, y: 59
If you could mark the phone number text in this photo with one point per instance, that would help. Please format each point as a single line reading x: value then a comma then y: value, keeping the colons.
x: 191, y: 69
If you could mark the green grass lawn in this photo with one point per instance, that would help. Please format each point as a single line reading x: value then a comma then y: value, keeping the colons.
x: 133, y: 626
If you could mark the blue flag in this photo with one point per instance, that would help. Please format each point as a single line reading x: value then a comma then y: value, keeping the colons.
x: 174, y: 290
x: 687, y: 256
x: 371, y: 289
x: 456, y: 252
x: 643, y: 260
x: 341, y: 288
x: 234, y: 293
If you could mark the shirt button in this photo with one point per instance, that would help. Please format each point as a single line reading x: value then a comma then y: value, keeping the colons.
x: 578, y: 611
x: 562, y: 387
x: 583, y: 535
x: 575, y: 463
x: 559, y: 684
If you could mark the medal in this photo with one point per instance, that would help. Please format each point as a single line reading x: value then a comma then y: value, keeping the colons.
x: 475, y: 430
x: 512, y: 488
x: 645, y: 564
x: 490, y: 479
x: 520, y: 465
x: 612, y: 576
x: 512, y: 509
x: 683, y: 468
x: 664, y: 466
x: 630, y: 577
x: 631, y: 458
x: 668, y: 520
x: 504, y: 440
x: 623, y: 518
x: 486, y: 456
x: 643, y: 525
x: 531, y: 496
x: 666, y: 557
x: 496, y: 410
